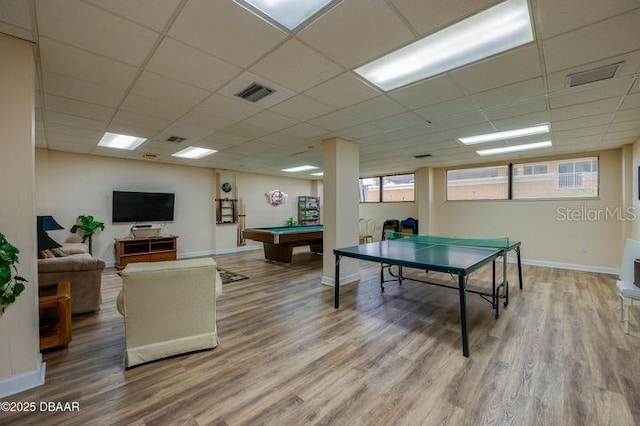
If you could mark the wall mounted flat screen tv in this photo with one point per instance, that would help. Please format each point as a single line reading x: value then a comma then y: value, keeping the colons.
x: 142, y: 206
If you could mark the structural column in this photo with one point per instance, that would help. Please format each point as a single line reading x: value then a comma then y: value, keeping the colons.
x: 340, y: 206
x: 424, y: 199
x: 20, y: 361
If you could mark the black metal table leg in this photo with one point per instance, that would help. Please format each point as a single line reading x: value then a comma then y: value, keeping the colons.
x: 463, y: 315
x: 336, y: 284
x: 505, y: 281
x: 519, y: 267
x: 495, y: 299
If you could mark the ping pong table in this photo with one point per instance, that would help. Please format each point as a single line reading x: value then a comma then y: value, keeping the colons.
x: 455, y: 256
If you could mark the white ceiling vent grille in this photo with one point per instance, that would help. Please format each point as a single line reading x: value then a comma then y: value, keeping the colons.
x: 255, y: 92
x: 591, y: 76
x: 176, y: 139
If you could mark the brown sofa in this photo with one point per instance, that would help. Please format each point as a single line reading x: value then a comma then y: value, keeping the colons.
x: 83, y: 271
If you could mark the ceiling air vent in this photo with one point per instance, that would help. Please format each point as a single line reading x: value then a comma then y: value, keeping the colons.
x: 591, y: 76
x: 176, y: 139
x: 149, y: 156
x: 422, y: 156
x: 255, y: 92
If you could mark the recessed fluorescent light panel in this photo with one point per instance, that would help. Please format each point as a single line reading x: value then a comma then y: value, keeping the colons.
x: 495, y: 30
x: 299, y: 169
x: 508, y: 134
x: 193, y: 152
x: 515, y: 148
x: 317, y: 174
x: 288, y: 13
x: 115, y: 140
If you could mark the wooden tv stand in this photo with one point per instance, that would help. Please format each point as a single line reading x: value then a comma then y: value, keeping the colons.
x: 153, y: 249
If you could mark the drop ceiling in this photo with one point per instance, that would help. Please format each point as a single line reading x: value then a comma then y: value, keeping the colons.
x: 159, y: 69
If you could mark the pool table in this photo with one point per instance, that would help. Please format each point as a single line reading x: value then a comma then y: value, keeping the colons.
x: 279, y: 241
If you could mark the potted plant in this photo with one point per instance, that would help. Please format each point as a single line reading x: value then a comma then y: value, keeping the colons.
x: 88, y: 225
x: 291, y: 221
x: 11, y: 284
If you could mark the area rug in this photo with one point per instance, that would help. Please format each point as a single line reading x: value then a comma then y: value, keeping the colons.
x: 230, y: 277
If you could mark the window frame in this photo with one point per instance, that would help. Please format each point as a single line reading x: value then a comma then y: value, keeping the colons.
x: 573, y: 160
x: 380, y: 179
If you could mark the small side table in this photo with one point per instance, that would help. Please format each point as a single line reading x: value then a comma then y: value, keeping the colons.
x: 54, y: 302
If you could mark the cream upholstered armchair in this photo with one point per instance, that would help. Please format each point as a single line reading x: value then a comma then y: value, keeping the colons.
x: 169, y: 308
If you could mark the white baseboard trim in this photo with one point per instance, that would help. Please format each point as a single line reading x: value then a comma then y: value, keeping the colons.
x: 343, y: 280
x: 205, y: 253
x: 24, y: 381
x: 570, y: 266
x: 238, y: 249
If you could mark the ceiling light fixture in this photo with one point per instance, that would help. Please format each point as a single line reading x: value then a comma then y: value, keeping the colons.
x: 194, y: 152
x: 515, y: 148
x: 508, y: 134
x: 288, y: 13
x: 317, y: 174
x: 118, y: 141
x: 299, y: 169
x: 495, y: 30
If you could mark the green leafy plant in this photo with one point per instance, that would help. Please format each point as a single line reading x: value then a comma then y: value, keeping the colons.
x: 11, y: 284
x: 291, y: 222
x: 88, y: 225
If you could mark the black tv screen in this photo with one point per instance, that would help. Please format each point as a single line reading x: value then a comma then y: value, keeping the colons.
x: 142, y: 206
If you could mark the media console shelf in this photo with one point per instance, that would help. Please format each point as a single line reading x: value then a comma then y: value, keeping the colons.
x: 153, y: 249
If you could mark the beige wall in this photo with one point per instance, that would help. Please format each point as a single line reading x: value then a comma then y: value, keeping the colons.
x: 19, y: 352
x: 76, y: 184
x: 383, y: 211
x: 68, y: 185
x: 536, y: 223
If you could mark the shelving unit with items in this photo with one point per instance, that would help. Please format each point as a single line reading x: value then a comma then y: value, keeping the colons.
x: 308, y: 210
x: 226, y: 210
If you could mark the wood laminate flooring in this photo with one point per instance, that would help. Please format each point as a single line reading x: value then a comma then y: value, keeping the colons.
x: 556, y: 356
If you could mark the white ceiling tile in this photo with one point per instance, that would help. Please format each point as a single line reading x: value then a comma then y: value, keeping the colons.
x: 74, y: 121
x: 627, y: 115
x: 151, y: 13
x: 509, y: 94
x: 79, y: 64
x: 81, y: 109
x: 520, y: 121
x: 70, y: 147
x: 428, y: 92
x: 374, y: 109
x: 57, y: 84
x: 65, y: 138
x: 251, y: 147
x: 459, y: 121
x: 140, y: 120
x: 579, y: 133
x: 131, y: 130
x: 284, y: 139
x: 271, y: 120
x: 247, y: 130
x: 188, y: 65
x: 625, y: 126
x: 225, y: 139
x: 205, y: 120
x: 336, y: 121
x: 514, y: 110
x: 342, y: 91
x: 17, y: 13
x: 371, y: 28
x: 181, y: 129
x: 585, y: 109
x: 233, y: 109
x: 17, y: 31
x: 516, y: 65
x: 607, y: 38
x: 400, y: 121
x: 591, y: 92
x: 304, y: 130
x: 155, y: 86
x: 577, y: 123
x: 226, y: 30
x: 301, y: 108
x: 147, y: 106
x: 629, y: 134
x: 557, y: 17
x: 360, y: 131
x: 295, y: 66
x: 158, y: 147
x: 461, y: 106
x: 74, y: 131
x: 85, y: 26
x: 427, y: 16
x: 631, y: 101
